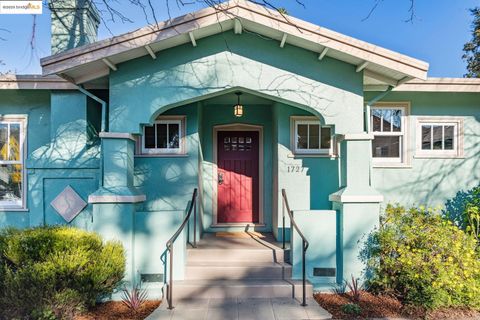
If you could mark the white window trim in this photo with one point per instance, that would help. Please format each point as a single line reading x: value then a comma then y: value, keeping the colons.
x: 404, y: 159
x: 181, y: 121
x: 294, y: 122
x: 458, y: 149
x: 17, y: 205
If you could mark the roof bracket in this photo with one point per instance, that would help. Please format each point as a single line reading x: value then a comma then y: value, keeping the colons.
x: 284, y: 39
x: 192, y: 39
x: 150, y: 52
x: 110, y: 64
x: 237, y: 27
x: 362, y: 66
x: 323, y: 53
x: 379, y: 77
x: 403, y: 80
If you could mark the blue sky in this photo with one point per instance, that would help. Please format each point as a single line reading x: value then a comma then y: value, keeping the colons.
x: 436, y: 35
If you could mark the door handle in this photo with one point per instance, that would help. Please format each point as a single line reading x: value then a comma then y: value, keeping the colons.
x: 220, y: 178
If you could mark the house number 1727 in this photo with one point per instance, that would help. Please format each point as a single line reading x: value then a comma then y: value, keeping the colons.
x: 295, y: 169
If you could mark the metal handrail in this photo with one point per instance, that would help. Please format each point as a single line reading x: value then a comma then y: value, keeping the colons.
x: 305, y: 243
x: 174, y: 237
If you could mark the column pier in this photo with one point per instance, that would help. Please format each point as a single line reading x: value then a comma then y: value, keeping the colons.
x: 357, y: 204
x: 114, y: 201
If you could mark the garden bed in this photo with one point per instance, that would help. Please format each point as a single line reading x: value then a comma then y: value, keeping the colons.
x: 373, y: 306
x: 116, y: 310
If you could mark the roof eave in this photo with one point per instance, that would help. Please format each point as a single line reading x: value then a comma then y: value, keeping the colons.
x: 248, y: 12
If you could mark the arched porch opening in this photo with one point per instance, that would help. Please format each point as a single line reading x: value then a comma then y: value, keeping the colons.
x: 208, y: 130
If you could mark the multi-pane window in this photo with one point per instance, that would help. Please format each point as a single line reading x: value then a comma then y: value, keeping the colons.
x: 11, y: 163
x: 311, y: 137
x: 387, y: 123
x: 439, y: 137
x: 164, y: 136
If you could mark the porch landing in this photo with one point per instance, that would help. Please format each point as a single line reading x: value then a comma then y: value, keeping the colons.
x: 241, y: 309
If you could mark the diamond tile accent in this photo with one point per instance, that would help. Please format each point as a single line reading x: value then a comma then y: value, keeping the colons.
x: 68, y: 204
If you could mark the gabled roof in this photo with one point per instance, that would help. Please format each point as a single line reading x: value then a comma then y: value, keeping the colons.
x: 380, y: 66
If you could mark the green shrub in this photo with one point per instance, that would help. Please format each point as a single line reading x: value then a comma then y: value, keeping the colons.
x: 54, y: 272
x: 424, y: 259
x: 352, y: 309
x: 464, y: 211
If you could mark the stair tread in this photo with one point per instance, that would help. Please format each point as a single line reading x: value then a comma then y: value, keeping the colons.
x: 237, y: 264
x: 242, y: 282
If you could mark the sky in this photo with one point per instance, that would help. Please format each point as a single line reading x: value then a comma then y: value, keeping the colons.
x: 436, y: 35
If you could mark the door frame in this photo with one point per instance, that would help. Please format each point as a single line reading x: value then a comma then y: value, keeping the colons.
x: 237, y: 127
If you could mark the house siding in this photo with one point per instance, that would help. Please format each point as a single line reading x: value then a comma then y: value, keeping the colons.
x: 432, y: 182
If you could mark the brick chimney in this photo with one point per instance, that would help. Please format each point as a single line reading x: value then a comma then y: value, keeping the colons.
x: 74, y: 24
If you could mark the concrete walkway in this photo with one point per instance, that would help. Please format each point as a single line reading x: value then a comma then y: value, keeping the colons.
x: 240, y: 309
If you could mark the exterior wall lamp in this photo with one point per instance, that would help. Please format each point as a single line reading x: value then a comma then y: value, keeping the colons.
x: 238, y: 108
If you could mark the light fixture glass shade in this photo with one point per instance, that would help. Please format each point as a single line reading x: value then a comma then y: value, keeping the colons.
x: 238, y: 110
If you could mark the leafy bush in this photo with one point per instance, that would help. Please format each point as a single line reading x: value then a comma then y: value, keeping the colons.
x: 54, y: 272
x: 464, y: 211
x: 352, y: 309
x: 423, y: 259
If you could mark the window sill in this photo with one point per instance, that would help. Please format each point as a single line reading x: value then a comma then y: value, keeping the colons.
x: 392, y: 166
x: 438, y: 156
x: 311, y: 155
x: 14, y: 210
x: 163, y: 155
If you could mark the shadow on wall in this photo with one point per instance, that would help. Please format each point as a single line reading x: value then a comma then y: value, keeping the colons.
x: 433, y: 181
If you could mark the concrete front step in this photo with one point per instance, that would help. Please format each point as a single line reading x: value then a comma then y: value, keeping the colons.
x: 237, y: 255
x: 210, y: 270
x: 239, y: 289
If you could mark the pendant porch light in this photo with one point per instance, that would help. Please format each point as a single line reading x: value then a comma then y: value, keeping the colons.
x: 238, y: 108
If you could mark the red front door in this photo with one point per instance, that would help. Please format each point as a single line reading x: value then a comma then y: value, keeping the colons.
x: 237, y: 176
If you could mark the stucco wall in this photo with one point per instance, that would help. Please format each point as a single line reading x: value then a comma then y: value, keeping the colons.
x: 142, y: 88
x: 433, y: 181
x: 36, y: 105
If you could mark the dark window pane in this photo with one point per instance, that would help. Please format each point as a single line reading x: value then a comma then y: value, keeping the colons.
x: 449, y: 136
x: 302, y: 133
x: 426, y: 137
x: 174, y: 136
x: 437, y: 137
x: 386, y: 147
x: 314, y: 136
x: 14, y: 142
x: 11, y: 182
x: 326, y: 138
x: 376, y: 119
x: 162, y: 135
x: 397, y: 120
x: 149, y: 137
x: 3, y: 141
x: 387, y: 118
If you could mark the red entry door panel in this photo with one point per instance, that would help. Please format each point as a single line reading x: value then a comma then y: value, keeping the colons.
x: 238, y: 174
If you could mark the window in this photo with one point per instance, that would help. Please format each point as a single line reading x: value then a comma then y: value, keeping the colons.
x: 165, y: 136
x: 439, y: 137
x: 388, y: 125
x: 12, y: 131
x: 309, y: 137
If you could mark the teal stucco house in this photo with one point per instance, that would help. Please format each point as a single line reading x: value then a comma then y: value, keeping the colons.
x: 239, y: 103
